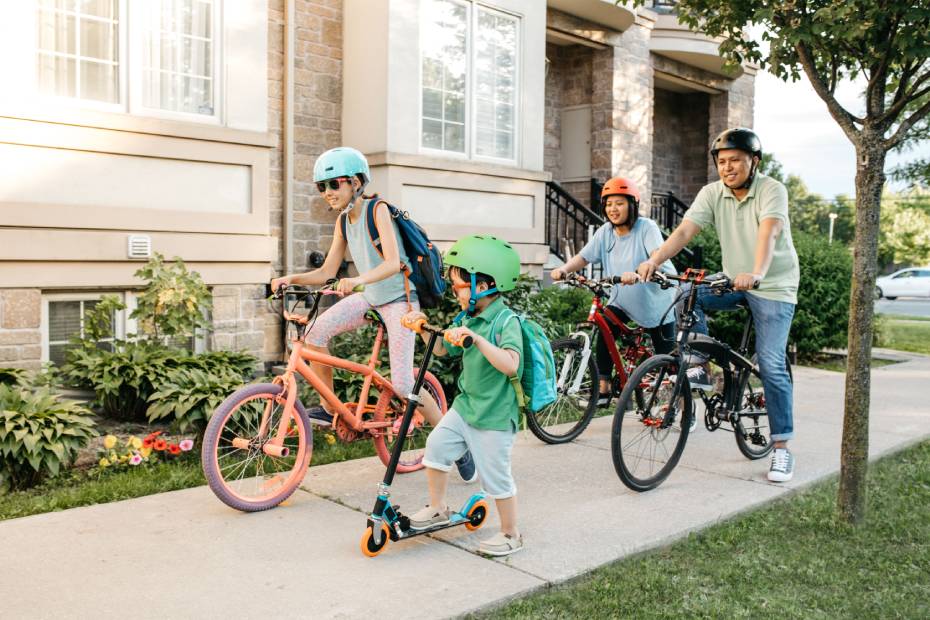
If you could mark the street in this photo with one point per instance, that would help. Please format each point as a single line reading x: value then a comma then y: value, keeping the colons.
x: 910, y: 307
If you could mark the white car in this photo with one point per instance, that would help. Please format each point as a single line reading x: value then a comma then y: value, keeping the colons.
x: 912, y: 282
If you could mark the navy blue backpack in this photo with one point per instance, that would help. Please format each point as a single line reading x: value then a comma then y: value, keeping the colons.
x: 425, y: 270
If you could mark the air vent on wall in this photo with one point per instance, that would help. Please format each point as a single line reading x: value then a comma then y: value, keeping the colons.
x: 139, y: 246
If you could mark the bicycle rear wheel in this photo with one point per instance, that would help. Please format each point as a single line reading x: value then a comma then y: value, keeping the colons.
x: 751, y: 421
x: 572, y: 410
x: 391, y: 409
x: 646, y: 448
x: 238, y: 469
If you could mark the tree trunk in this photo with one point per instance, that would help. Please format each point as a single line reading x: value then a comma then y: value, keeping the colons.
x: 854, y: 459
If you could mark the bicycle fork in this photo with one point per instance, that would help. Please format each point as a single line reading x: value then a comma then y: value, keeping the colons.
x: 575, y: 384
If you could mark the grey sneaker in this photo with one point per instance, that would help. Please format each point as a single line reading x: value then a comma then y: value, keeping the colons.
x: 319, y: 416
x: 500, y: 544
x: 428, y: 517
x: 698, y: 378
x: 782, y: 467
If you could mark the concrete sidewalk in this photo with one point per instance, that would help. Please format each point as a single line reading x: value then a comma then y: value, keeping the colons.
x: 184, y: 554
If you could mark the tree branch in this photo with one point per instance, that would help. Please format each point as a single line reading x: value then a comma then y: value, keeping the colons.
x: 902, y: 99
x: 843, y: 117
x: 901, y: 134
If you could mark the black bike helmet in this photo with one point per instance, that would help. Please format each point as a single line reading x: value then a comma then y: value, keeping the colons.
x: 741, y: 139
x: 738, y: 138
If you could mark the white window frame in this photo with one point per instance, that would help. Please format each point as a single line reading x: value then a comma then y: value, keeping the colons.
x: 119, y: 325
x: 77, y: 102
x: 470, y: 153
x: 130, y: 32
x: 136, y: 100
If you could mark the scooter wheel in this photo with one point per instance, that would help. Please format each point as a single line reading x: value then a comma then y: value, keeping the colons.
x: 368, y: 545
x: 477, y: 515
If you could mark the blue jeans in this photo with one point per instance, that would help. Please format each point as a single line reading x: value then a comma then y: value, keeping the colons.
x: 772, y: 322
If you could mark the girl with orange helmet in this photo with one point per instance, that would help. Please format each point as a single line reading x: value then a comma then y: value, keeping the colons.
x: 619, y: 246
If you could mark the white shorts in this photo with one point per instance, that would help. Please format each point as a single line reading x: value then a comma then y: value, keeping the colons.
x: 490, y: 450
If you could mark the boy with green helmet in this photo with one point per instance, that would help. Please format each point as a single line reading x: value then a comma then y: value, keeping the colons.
x: 485, y: 415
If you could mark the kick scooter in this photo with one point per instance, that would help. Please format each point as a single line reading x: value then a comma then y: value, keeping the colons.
x: 386, y: 522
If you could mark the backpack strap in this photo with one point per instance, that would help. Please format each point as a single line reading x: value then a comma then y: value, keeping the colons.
x: 514, y: 380
x: 375, y: 237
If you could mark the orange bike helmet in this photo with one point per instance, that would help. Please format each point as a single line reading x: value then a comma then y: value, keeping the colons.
x: 622, y: 186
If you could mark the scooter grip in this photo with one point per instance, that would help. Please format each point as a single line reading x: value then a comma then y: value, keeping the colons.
x: 463, y: 342
x: 414, y: 325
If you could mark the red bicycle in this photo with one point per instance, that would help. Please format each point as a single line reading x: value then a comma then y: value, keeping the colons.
x: 577, y: 381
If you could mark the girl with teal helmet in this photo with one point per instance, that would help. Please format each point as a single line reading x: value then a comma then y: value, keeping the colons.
x: 341, y: 175
x: 484, y: 418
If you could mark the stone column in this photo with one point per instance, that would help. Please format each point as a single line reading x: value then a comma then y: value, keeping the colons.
x: 622, y: 101
x: 20, y: 338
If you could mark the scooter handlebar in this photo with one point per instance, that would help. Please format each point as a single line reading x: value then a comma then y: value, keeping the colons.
x: 420, y: 325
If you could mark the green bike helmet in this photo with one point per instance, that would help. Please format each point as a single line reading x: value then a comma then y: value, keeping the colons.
x: 489, y: 255
x: 341, y: 161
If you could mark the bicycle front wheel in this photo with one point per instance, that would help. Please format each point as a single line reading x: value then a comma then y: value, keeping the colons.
x: 576, y: 400
x: 646, y: 443
x: 240, y: 469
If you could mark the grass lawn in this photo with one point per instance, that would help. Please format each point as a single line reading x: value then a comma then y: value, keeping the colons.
x: 791, y: 560
x: 905, y: 333
x: 84, y: 487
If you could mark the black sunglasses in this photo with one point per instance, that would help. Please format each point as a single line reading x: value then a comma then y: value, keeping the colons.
x: 332, y: 183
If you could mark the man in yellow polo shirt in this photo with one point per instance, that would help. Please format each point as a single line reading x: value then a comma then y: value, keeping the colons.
x: 749, y: 211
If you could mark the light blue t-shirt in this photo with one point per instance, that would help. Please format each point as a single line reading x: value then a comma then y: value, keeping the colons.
x: 644, y: 302
x: 366, y: 258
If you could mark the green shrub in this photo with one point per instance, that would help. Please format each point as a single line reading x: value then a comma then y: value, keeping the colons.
x: 12, y: 376
x: 39, y: 433
x: 172, y: 303
x: 188, y: 395
x: 821, y: 317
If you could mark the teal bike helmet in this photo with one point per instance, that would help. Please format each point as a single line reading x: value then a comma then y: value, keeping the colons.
x: 343, y: 161
x: 488, y: 255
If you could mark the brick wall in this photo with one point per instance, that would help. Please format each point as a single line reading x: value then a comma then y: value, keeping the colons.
x: 622, y: 109
x: 20, y: 338
x: 679, y: 162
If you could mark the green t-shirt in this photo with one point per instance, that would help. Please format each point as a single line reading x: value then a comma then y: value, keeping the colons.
x: 486, y: 398
x: 737, y: 225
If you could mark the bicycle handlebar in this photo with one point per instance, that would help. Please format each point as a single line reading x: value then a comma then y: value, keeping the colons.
x: 699, y: 277
x: 420, y: 325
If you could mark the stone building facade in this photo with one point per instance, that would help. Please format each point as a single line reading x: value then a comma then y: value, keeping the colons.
x: 591, y: 89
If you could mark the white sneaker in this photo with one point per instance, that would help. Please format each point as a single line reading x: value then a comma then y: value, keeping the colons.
x: 698, y: 379
x: 782, y: 467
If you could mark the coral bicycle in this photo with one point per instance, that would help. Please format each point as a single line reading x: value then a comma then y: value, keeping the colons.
x: 258, y: 443
x: 577, y: 374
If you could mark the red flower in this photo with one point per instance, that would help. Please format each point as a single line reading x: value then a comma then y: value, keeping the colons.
x: 174, y: 448
x: 160, y: 444
x: 147, y: 442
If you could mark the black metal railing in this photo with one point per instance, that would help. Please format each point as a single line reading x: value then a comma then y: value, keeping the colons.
x: 668, y: 210
x: 596, y: 188
x: 569, y: 224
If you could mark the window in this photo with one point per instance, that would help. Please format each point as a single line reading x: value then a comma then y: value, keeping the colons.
x: 904, y: 274
x: 177, y: 56
x: 77, y: 49
x: 468, y: 80
x: 63, y: 318
x: 149, y: 56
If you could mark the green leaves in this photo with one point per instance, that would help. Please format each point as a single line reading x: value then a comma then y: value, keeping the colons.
x: 174, y: 300
x: 39, y: 433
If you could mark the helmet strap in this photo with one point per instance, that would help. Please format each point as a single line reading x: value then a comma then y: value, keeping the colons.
x: 473, y: 297
x: 356, y: 194
x: 752, y: 174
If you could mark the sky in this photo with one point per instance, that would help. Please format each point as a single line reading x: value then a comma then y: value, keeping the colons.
x: 794, y: 126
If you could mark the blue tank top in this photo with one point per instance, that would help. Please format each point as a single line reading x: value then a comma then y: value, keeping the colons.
x: 366, y: 258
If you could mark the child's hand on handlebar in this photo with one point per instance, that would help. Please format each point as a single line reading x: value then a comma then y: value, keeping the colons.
x: 457, y: 335
x: 346, y: 286
x: 557, y: 274
x: 413, y: 320
x: 277, y: 283
x: 746, y: 281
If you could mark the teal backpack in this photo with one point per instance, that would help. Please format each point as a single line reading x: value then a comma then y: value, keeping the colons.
x: 536, y: 388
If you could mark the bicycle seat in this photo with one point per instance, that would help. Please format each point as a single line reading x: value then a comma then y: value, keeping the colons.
x: 375, y: 317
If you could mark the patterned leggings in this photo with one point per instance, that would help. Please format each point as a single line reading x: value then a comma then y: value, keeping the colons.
x: 348, y: 314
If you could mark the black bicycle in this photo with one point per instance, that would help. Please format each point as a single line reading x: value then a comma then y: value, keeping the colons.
x: 653, y: 417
